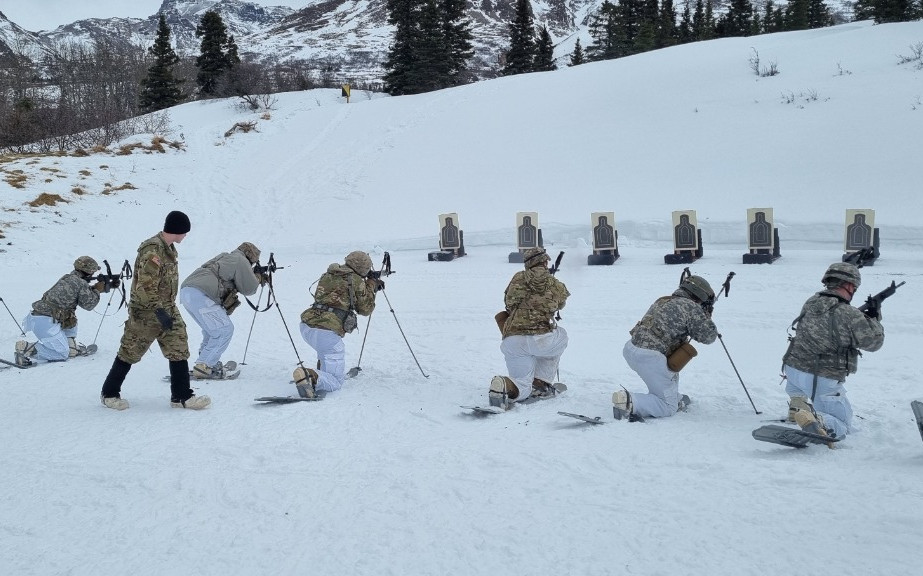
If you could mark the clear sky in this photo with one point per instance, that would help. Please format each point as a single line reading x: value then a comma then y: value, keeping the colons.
x: 35, y: 15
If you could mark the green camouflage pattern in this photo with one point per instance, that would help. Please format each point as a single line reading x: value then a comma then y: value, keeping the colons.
x: 155, y: 285
x: 143, y: 328
x: 532, y: 298
x: 333, y: 290
x: 829, y: 335
x: 61, y: 300
x: 671, y: 321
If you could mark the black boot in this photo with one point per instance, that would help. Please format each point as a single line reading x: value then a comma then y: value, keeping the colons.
x: 180, y: 391
x: 112, y: 387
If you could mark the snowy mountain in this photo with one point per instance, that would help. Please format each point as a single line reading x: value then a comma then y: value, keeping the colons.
x: 389, y: 476
x: 352, y: 35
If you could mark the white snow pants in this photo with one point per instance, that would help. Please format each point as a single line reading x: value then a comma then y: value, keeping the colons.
x: 52, y: 344
x: 533, y: 356
x: 331, y: 351
x: 662, y: 383
x: 830, y: 399
x: 214, y: 321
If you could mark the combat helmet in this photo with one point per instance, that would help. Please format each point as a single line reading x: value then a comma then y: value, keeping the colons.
x: 251, y: 252
x: 535, y: 257
x: 359, y: 262
x: 86, y: 265
x: 840, y: 272
x: 698, y: 287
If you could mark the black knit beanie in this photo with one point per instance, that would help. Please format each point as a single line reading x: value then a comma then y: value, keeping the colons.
x: 177, y: 223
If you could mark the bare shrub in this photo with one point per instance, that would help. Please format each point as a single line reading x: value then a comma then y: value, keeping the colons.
x: 915, y: 57
x: 762, y: 71
x: 240, y: 127
x: 46, y: 199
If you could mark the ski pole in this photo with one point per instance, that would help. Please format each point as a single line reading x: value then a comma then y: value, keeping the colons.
x: 108, y: 304
x: 259, y: 297
x: 425, y: 375
x: 726, y: 289
x: 13, y: 317
x: 353, y: 372
x: 720, y: 339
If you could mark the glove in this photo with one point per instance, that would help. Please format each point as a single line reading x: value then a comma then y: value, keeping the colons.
x: 100, y: 287
x: 262, y: 278
x: 709, y: 308
x: 114, y: 283
x: 379, y: 284
x: 873, y: 310
x: 166, y: 322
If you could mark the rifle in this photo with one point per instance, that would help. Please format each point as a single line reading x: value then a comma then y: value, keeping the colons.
x: 859, y: 258
x: 557, y: 263
x: 111, y: 280
x: 264, y: 271
x: 872, y: 306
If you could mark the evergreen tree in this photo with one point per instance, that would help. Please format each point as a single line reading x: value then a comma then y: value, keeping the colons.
x: 894, y: 11
x: 650, y: 24
x: 401, y: 56
x: 684, y: 31
x: 698, y: 21
x: 603, y: 29
x: 796, y: 15
x: 667, y: 33
x: 520, y: 57
x: 161, y: 88
x: 737, y: 20
x: 544, y: 57
x: 708, y: 23
x: 217, y: 52
x: 458, y: 36
x: 633, y: 34
x: 577, y: 58
x: 769, y: 18
x: 819, y: 14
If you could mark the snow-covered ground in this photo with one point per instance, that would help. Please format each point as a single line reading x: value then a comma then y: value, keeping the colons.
x: 389, y: 475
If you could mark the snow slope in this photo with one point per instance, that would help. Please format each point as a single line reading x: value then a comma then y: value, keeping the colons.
x: 389, y: 475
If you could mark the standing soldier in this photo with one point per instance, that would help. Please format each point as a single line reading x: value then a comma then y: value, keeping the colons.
x: 657, y: 340
x: 532, y: 341
x: 342, y: 292
x: 209, y: 294
x: 53, y: 319
x: 153, y: 315
x: 829, y: 334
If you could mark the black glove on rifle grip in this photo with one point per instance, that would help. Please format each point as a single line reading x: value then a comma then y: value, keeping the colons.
x: 166, y: 322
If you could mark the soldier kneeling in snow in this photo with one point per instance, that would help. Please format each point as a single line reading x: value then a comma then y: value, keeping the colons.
x: 54, y: 318
x: 342, y: 292
x: 532, y: 341
x: 657, y: 340
x: 830, y: 333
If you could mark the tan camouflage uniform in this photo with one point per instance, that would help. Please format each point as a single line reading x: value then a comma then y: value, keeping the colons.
x: 532, y: 298
x: 154, y: 286
x: 61, y: 300
x: 333, y: 292
x: 532, y: 341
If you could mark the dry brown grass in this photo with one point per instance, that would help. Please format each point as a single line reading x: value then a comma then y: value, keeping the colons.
x: 81, y: 152
x: 110, y: 189
x: 46, y: 199
x: 266, y: 116
x: 84, y: 173
x: 16, y: 178
x: 78, y: 191
x: 241, y: 127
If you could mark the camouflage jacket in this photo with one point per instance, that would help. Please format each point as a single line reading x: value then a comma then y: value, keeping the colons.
x: 61, y: 300
x: 829, y: 335
x: 670, y: 322
x: 156, y: 278
x: 532, y: 298
x: 223, y: 274
x: 333, y: 292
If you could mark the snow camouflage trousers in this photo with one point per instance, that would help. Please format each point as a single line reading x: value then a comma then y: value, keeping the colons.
x: 141, y: 330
